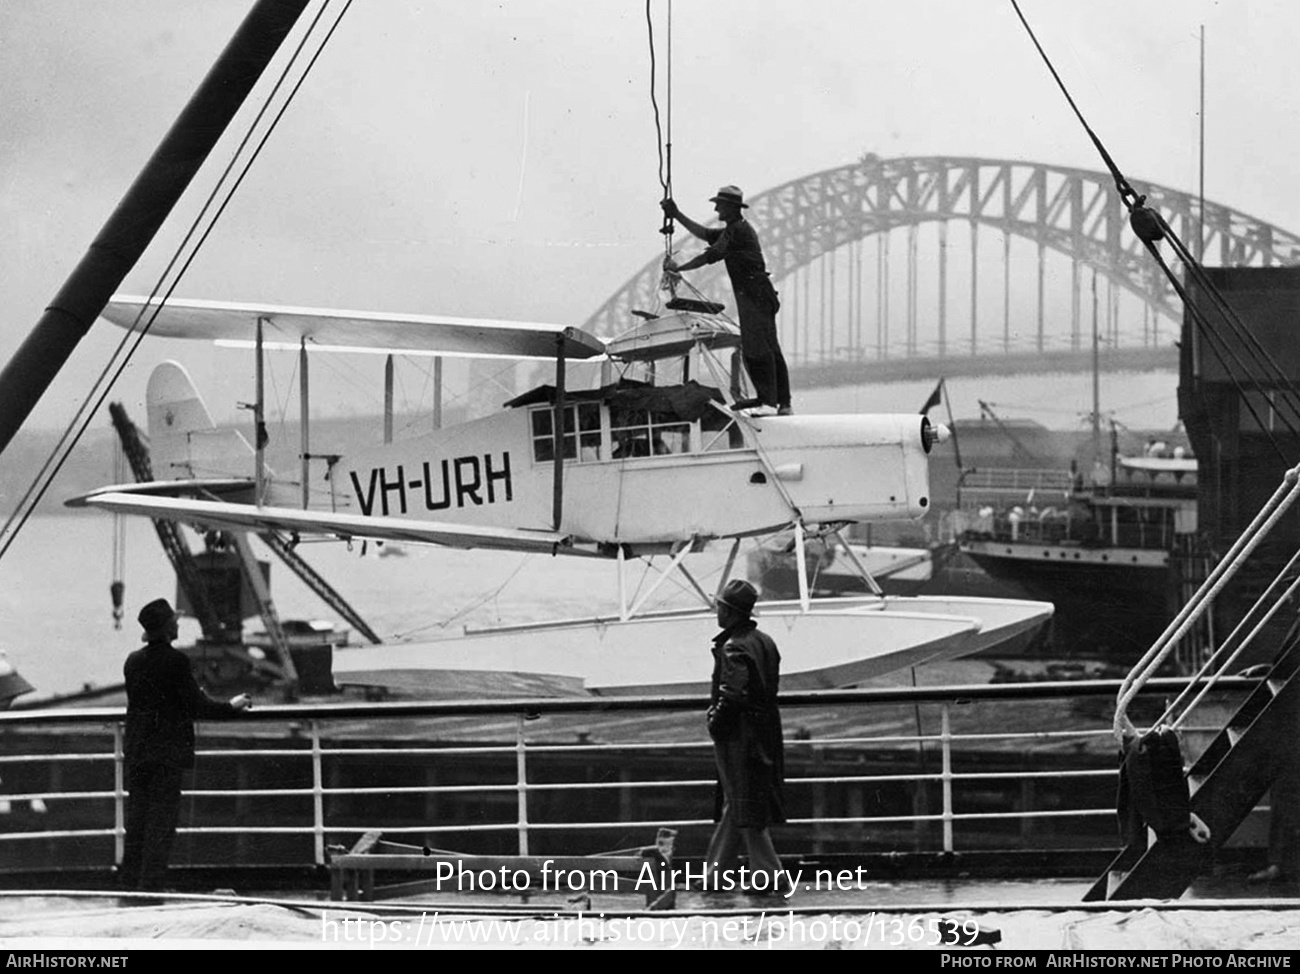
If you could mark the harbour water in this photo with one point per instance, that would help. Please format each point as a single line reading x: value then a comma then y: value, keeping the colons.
x: 56, y: 622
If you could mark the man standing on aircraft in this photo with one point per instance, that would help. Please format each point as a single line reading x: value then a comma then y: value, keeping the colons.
x: 745, y: 724
x: 162, y: 702
x: 736, y: 244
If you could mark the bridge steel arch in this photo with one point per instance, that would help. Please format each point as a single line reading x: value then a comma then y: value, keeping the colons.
x: 1075, y: 212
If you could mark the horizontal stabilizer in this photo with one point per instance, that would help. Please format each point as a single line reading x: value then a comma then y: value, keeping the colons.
x: 220, y: 514
x: 353, y: 331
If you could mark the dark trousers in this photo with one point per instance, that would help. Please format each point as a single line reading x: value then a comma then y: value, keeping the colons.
x: 727, y: 835
x: 153, y: 808
x: 761, y: 350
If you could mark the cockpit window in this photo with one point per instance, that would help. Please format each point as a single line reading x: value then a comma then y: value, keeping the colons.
x: 644, y: 421
x: 581, y: 438
x: 647, y: 433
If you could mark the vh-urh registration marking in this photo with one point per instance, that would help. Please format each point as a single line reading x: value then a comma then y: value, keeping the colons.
x: 457, y: 482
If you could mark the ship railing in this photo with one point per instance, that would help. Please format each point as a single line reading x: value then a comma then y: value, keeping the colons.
x: 1148, y: 530
x: 1273, y: 610
x: 954, y: 769
x: 1005, y: 482
x: 1015, y: 504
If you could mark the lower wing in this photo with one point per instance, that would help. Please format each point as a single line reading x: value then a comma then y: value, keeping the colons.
x: 223, y: 514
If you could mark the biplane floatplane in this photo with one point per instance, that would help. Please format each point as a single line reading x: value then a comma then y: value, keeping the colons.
x: 624, y: 471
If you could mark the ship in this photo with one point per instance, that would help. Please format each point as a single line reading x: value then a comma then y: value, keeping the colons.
x: 1116, y: 553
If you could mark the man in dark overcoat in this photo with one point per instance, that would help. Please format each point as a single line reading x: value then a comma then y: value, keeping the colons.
x: 736, y: 244
x: 162, y: 702
x: 745, y: 724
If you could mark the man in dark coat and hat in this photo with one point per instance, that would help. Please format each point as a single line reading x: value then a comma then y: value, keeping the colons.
x: 745, y: 724
x: 162, y: 702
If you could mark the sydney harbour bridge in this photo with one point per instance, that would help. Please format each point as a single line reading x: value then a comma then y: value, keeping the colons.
x: 918, y: 266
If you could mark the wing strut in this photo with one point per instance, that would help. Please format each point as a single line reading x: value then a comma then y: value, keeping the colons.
x: 259, y: 419
x: 872, y: 584
x: 437, y: 392
x: 304, y: 407
x: 388, y: 398
x: 557, y: 434
x: 726, y: 569
x: 684, y: 548
x: 266, y: 609
x: 801, y: 566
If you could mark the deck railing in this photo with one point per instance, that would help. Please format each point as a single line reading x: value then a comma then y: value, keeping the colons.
x: 1024, y: 765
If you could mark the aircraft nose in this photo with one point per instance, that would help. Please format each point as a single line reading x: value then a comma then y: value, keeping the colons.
x: 932, y: 433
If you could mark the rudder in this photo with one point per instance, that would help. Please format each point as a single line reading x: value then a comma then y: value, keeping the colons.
x: 184, y: 442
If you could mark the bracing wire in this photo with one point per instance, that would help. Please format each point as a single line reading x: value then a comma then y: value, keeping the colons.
x: 468, y: 607
x: 105, y: 382
x: 461, y: 397
x: 281, y: 402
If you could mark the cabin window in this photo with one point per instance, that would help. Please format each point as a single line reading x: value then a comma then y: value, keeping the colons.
x: 645, y: 433
x: 581, y: 433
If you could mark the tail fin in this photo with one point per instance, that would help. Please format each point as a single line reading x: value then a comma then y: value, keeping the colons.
x: 184, y: 443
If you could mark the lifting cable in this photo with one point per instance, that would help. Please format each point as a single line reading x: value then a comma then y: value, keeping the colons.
x: 670, y: 280
x: 117, y: 584
x: 664, y: 132
x: 664, y: 143
x: 119, y: 359
x: 1151, y: 227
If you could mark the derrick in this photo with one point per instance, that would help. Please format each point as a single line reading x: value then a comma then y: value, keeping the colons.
x: 221, y: 625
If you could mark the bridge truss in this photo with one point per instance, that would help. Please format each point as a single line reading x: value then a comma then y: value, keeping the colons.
x: 1064, y: 226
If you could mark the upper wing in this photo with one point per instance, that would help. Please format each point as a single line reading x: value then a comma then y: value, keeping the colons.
x: 353, y: 331
x: 223, y: 514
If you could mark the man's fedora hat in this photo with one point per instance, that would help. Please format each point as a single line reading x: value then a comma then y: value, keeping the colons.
x: 156, y: 615
x: 730, y: 194
x: 740, y: 595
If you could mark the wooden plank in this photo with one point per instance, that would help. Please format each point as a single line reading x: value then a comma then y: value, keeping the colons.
x: 366, y: 842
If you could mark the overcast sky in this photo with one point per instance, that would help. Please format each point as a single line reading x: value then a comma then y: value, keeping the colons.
x: 498, y: 159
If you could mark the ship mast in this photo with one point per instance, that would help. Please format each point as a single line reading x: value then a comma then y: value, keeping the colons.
x: 141, y: 212
x: 1200, y: 207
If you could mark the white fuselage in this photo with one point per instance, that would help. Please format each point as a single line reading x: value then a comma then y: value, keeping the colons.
x: 648, y: 481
